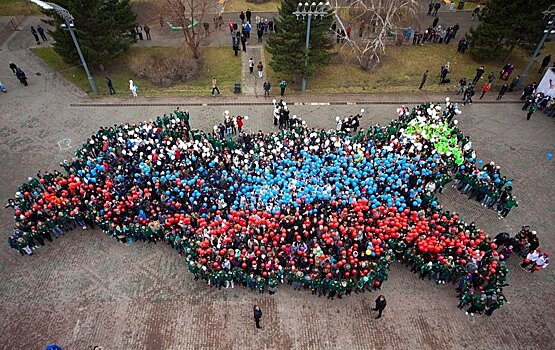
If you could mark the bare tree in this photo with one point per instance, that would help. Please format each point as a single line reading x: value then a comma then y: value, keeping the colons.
x: 186, y: 13
x: 383, y: 19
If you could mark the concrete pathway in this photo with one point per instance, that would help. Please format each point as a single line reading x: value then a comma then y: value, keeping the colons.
x: 251, y: 83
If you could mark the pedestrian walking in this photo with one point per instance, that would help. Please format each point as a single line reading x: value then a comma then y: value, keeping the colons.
x: 41, y: 33
x: 485, y: 88
x: 251, y: 65
x: 479, y: 72
x: 20, y: 74
x: 235, y: 42
x: 257, y: 316
x: 133, y: 88
x: 161, y: 19
x: 380, y: 305
x: 424, y: 78
x: 266, y: 86
x: 13, y: 67
x: 462, y: 85
x: 468, y: 93
x: 110, y: 86
x: 248, y: 14
x: 215, y: 86
x: 282, y: 87
x: 35, y: 34
x: 545, y: 63
x: 147, y: 32
x: 531, y: 110
x: 242, y: 17
x: 437, y: 6
x: 260, y: 69
x: 244, y: 42
x: 502, y: 91
x: 491, y: 77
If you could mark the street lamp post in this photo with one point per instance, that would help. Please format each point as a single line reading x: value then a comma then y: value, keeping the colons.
x: 69, y: 26
x: 310, y: 10
x: 549, y: 29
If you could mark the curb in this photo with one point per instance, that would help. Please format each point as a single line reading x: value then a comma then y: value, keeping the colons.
x: 334, y: 103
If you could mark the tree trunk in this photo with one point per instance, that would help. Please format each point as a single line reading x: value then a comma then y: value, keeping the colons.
x: 509, y: 52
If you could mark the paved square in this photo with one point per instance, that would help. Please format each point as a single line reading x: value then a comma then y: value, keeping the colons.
x: 87, y: 289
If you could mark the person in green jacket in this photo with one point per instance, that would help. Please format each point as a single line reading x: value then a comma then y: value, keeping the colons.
x: 282, y: 87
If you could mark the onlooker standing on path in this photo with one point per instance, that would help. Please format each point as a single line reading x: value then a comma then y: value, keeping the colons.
x: 41, y: 33
x: 110, y: 86
x: 491, y: 77
x: 424, y: 78
x: 147, y: 32
x: 502, y: 91
x: 257, y: 316
x: 251, y: 65
x: 515, y: 81
x: 242, y: 17
x: 485, y: 88
x: 531, y: 110
x: 380, y: 305
x: 248, y: 15
x: 133, y: 88
x: 545, y: 63
x: 282, y: 86
x: 35, y: 34
x: 266, y: 86
x: 468, y: 93
x: 215, y: 86
x: 475, y: 13
x: 21, y: 76
x: 437, y: 6
x: 260, y: 69
x: 479, y: 72
x: 139, y: 31
x: 13, y: 67
x: 462, y: 84
x: 244, y: 42
x: 259, y: 32
x: 161, y: 19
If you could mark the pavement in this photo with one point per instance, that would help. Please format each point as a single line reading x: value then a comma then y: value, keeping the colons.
x: 87, y: 289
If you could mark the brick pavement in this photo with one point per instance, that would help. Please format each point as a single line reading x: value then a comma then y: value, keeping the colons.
x: 87, y: 289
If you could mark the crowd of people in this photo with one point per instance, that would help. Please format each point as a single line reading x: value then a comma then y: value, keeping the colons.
x: 325, y: 211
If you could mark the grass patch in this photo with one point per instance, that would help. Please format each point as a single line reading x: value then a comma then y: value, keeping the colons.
x: 217, y: 61
x: 18, y: 8
x: 242, y: 5
x: 402, y: 69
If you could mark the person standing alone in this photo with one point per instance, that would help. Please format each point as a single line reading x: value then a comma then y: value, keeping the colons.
x: 110, y: 86
x: 251, y: 65
x: 380, y: 305
x: 215, y: 86
x: 257, y: 316
x: 424, y: 78
x: 260, y: 68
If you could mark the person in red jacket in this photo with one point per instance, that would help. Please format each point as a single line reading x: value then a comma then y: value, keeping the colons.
x: 485, y: 88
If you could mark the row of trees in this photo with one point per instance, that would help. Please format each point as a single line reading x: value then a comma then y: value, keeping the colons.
x: 106, y: 29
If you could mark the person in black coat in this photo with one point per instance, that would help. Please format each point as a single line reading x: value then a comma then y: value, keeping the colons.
x: 21, y: 76
x: 380, y: 305
x: 257, y: 316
